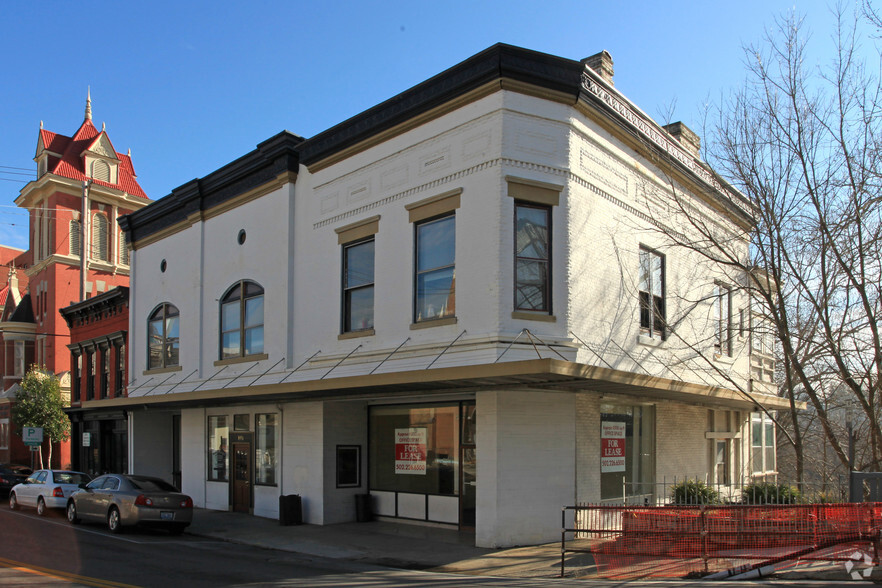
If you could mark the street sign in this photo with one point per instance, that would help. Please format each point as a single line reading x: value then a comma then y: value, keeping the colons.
x: 32, y: 436
x: 35, y: 448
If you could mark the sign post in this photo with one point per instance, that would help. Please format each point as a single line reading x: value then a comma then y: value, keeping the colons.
x: 33, y: 438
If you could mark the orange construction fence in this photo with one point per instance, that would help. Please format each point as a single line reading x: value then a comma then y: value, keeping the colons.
x: 679, y: 541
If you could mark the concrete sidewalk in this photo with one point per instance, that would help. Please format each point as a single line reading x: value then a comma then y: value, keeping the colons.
x: 396, y: 544
x: 407, y: 546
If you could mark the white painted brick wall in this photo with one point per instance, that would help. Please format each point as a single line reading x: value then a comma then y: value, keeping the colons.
x: 526, y: 454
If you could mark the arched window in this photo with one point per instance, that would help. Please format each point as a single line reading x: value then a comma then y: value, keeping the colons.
x: 100, y: 250
x: 101, y: 170
x: 75, y: 241
x: 163, y: 337
x: 241, y: 321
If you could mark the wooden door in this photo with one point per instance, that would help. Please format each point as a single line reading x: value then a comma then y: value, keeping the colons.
x: 241, y: 477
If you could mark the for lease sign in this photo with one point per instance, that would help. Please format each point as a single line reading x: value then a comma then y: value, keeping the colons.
x: 410, y: 451
x: 612, y: 447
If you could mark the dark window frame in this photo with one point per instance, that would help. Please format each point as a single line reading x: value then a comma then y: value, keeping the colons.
x: 417, y: 273
x: 547, y: 307
x: 652, y: 307
x: 347, y: 290
x: 238, y: 292
x: 723, y: 320
x: 162, y: 314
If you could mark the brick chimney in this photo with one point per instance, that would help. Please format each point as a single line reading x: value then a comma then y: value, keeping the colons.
x: 602, y: 63
x: 688, y: 139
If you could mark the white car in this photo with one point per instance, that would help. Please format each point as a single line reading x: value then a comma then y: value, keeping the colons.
x: 46, y: 489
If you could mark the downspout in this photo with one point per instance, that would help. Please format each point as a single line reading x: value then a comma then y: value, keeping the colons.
x: 84, y: 237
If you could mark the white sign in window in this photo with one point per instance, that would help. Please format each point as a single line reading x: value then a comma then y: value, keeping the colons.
x: 612, y: 447
x: 410, y: 451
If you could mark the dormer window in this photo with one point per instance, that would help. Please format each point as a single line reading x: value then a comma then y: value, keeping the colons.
x: 101, y: 170
x: 41, y: 167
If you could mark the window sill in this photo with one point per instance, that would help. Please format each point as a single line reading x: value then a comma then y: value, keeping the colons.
x: 356, y: 334
x: 726, y: 359
x: 526, y: 315
x: 433, y: 323
x: 649, y: 341
x: 244, y: 359
x: 165, y: 370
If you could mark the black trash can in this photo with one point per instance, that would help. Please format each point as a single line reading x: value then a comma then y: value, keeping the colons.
x: 363, y: 510
x: 290, y: 510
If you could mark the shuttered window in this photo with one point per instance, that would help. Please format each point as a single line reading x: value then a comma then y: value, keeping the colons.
x: 75, y: 240
x: 99, y: 238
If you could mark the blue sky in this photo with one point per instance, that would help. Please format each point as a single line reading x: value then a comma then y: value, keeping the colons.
x: 190, y: 86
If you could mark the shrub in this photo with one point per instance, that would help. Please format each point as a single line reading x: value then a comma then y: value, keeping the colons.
x: 694, y: 492
x: 770, y: 493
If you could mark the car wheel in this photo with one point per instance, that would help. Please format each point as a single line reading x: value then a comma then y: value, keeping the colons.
x: 114, y: 522
x: 13, y: 503
x: 176, y: 529
x: 41, y: 506
x: 72, y: 513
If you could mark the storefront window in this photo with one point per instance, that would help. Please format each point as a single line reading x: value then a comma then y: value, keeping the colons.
x: 218, y: 436
x: 627, y: 452
x: 415, y: 449
x: 265, y: 449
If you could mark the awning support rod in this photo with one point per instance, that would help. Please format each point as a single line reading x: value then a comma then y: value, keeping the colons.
x: 515, y: 340
x: 142, y: 385
x: 597, y: 355
x: 181, y: 382
x: 305, y: 361
x: 160, y: 384
x: 390, y: 355
x: 341, y: 361
x: 210, y: 377
x: 531, y: 335
x: 445, y: 349
x: 266, y: 372
x: 240, y: 375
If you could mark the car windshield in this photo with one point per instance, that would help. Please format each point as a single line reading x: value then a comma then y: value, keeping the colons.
x: 71, y: 478
x: 152, y: 485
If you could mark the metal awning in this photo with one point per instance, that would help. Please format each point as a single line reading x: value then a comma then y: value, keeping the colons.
x: 537, y: 374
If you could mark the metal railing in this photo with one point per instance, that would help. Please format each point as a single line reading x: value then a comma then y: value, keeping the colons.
x: 688, y: 490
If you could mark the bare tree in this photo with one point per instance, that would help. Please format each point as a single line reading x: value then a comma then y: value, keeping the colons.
x: 802, y: 142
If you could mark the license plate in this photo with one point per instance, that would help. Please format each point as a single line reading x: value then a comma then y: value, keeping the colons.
x: 167, y: 516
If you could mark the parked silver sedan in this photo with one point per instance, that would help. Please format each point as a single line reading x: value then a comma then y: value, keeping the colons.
x: 120, y: 501
x: 45, y: 489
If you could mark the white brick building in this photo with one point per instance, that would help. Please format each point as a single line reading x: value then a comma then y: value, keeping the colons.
x: 455, y: 302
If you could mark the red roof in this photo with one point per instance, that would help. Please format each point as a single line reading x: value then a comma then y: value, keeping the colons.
x: 71, y: 163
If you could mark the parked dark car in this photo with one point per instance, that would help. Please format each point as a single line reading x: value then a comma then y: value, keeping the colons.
x: 119, y: 501
x: 12, y: 474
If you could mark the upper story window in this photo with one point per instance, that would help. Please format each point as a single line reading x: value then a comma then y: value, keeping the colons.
x: 435, y: 271
x: 19, y: 359
x: 101, y: 170
x: 100, y: 249
x: 762, y: 443
x: 75, y: 238
x: 652, y: 293
x: 120, y: 369
x: 75, y: 376
x: 242, y: 320
x: 123, y: 249
x: 163, y: 337
x: 532, y: 257
x: 722, y: 320
x: 358, y: 286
